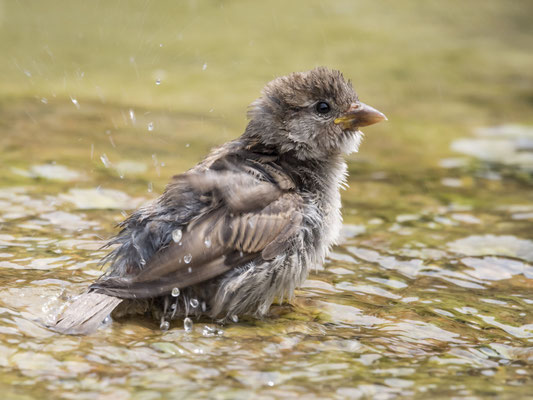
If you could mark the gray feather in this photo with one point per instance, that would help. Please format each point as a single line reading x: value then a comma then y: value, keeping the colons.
x: 85, y: 314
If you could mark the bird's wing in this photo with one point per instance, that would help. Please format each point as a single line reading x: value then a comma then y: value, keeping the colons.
x: 254, y: 221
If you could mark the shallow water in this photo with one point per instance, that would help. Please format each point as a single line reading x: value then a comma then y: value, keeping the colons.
x: 428, y: 296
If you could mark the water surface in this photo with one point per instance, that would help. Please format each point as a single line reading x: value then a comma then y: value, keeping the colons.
x: 430, y: 293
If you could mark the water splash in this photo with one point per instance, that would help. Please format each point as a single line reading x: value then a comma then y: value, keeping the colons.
x: 75, y: 102
x: 165, y: 325
x: 187, y: 324
x: 177, y: 234
x: 105, y: 160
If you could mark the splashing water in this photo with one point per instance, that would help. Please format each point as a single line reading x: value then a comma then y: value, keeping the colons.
x: 75, y: 102
x: 105, y: 160
x: 187, y: 324
x: 177, y: 235
x: 165, y: 325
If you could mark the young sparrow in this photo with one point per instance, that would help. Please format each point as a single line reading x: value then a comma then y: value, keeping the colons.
x: 246, y: 224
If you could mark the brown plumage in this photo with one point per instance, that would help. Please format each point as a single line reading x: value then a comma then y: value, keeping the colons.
x: 244, y: 226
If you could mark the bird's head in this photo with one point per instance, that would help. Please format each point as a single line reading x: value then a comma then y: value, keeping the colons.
x: 313, y: 114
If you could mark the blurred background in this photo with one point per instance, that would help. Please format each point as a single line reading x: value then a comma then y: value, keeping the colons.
x: 438, y: 70
x: 101, y: 102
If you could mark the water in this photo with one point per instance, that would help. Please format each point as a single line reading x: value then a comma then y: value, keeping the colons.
x: 194, y: 303
x: 187, y: 325
x: 430, y: 292
x: 177, y: 235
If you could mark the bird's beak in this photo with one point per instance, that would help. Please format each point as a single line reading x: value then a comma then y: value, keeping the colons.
x: 359, y: 115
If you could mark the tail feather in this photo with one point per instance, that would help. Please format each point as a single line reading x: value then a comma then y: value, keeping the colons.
x: 85, y: 314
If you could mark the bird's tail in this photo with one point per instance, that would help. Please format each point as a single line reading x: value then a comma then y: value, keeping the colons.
x: 85, y: 314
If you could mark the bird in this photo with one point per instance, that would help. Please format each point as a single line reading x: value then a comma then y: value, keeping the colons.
x: 243, y: 227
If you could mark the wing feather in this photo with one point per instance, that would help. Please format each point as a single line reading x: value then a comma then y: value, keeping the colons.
x: 235, y: 239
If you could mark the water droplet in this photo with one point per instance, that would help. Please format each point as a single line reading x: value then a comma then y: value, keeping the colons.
x: 175, y: 292
x: 207, y: 242
x: 173, y: 306
x: 132, y: 116
x: 187, y: 145
x: 150, y: 126
x: 44, y: 100
x: 270, y: 383
x: 187, y: 324
x: 211, y: 331
x: 158, y: 81
x: 150, y: 187
x: 160, y: 44
x: 187, y: 258
x: 164, y: 325
x: 105, y: 160
x: 176, y: 235
x: 142, y: 261
x: 194, y: 303
x: 234, y: 318
x: 204, y: 306
x: 75, y: 102
x: 204, y: 67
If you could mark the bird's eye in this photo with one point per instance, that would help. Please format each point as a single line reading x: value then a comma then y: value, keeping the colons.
x: 322, y: 107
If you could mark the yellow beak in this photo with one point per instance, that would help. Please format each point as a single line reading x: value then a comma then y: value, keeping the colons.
x: 359, y: 115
